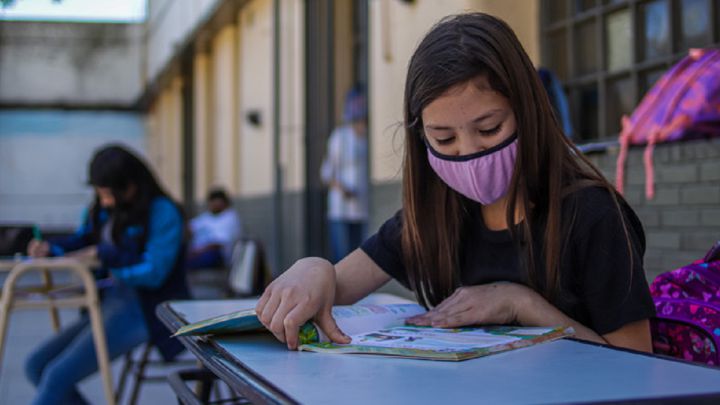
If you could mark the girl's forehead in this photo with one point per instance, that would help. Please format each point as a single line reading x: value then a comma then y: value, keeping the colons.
x: 467, y: 98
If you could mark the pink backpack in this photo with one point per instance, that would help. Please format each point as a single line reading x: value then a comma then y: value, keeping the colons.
x: 683, y: 104
x: 687, y: 301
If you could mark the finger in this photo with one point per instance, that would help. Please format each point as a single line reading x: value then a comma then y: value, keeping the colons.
x: 418, y: 320
x: 268, y: 311
x: 277, y: 325
x: 263, y: 301
x: 293, y: 321
x: 451, y: 300
x: 449, y: 311
x: 458, y: 319
x: 327, y: 323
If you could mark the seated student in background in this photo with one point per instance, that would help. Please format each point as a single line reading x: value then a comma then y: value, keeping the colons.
x: 136, y: 232
x: 503, y: 220
x: 213, y: 233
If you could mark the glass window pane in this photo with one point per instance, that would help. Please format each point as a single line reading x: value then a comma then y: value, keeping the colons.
x: 557, y: 53
x: 648, y: 79
x: 620, y: 100
x: 696, y: 30
x: 584, y: 5
x: 619, y: 39
x: 557, y: 9
x: 586, y: 104
x: 656, y: 30
x: 586, y: 58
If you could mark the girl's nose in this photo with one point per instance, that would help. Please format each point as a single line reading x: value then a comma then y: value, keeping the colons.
x: 468, y: 145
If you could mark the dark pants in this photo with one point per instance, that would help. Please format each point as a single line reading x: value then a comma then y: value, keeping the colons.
x: 345, y: 236
x: 66, y: 358
x: 207, y: 259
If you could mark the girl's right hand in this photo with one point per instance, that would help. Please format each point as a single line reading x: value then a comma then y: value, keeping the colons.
x: 38, y: 248
x: 305, y: 291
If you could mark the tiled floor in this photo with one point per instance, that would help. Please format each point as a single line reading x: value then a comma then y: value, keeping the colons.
x: 27, y: 329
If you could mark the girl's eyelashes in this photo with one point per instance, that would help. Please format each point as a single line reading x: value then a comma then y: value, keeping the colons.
x: 491, y: 131
x: 445, y: 141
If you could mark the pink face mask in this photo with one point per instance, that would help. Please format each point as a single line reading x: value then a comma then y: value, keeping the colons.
x: 483, y: 177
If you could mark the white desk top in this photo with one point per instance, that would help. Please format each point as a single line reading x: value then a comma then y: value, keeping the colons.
x: 557, y: 372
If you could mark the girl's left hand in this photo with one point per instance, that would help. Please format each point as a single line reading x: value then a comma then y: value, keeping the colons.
x: 87, y: 253
x: 495, y: 303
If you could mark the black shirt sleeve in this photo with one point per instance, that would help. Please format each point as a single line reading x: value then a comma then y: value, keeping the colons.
x: 612, y: 280
x: 384, y: 248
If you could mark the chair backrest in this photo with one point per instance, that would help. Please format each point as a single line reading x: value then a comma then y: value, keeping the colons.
x: 249, y: 272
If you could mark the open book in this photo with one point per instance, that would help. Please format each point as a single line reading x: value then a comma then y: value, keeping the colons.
x: 381, y: 329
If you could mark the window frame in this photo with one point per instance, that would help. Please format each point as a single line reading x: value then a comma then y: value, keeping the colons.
x: 602, y: 77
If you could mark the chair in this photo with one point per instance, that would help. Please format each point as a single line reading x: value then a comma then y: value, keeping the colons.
x: 249, y: 272
x: 85, y: 297
x: 137, y: 368
x: 248, y: 275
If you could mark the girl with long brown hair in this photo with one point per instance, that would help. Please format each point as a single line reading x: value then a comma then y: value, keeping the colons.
x: 503, y: 219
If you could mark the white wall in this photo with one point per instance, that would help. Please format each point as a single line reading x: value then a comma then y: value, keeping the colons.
x: 70, y: 63
x: 44, y: 157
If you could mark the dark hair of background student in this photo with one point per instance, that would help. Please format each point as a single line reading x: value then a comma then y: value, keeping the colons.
x: 133, y: 185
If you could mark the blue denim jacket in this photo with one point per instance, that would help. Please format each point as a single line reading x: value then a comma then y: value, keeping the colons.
x: 154, y: 269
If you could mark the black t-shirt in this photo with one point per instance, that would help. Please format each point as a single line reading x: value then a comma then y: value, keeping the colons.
x: 600, y: 288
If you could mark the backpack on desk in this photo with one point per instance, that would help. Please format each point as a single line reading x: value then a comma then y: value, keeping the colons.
x: 687, y: 301
x: 683, y: 104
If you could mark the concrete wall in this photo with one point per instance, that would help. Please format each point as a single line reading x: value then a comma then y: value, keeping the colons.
x: 44, y: 157
x: 169, y: 23
x: 683, y: 220
x: 70, y: 64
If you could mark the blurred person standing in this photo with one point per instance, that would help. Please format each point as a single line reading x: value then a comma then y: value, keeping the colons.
x: 213, y: 233
x: 345, y: 172
x: 135, y: 230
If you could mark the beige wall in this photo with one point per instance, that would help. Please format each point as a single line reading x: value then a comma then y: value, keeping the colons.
x: 201, y: 121
x: 233, y: 76
x: 255, y: 74
x: 164, y: 138
x: 523, y: 16
x: 223, y: 111
x: 256, y: 94
x: 343, y: 69
x: 292, y: 100
x: 395, y: 30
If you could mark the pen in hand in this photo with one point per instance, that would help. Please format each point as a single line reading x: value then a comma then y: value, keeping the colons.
x: 36, y: 233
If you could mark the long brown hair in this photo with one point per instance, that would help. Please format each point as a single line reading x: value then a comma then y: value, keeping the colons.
x: 548, y: 166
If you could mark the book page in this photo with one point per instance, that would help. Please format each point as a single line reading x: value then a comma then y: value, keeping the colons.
x: 422, y: 342
x: 425, y: 338
x: 363, y: 318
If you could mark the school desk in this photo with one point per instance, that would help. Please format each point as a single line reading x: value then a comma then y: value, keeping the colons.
x: 563, y: 371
